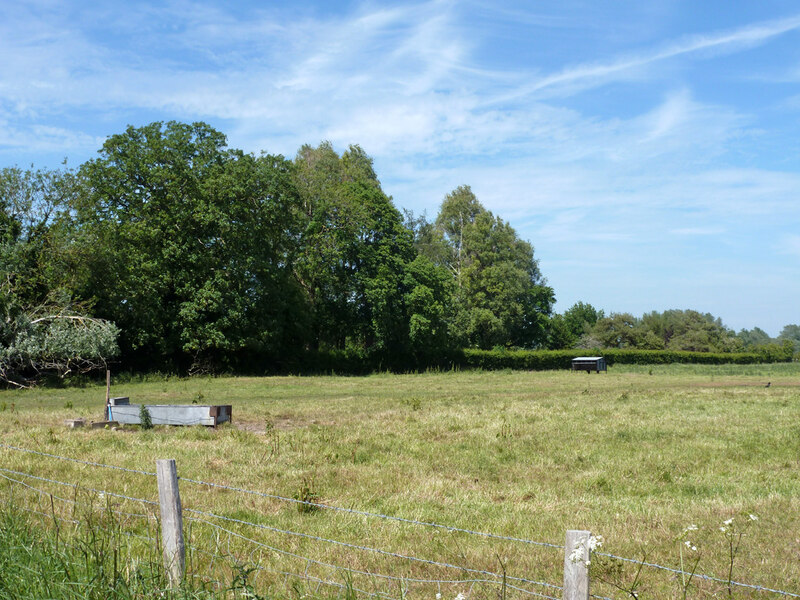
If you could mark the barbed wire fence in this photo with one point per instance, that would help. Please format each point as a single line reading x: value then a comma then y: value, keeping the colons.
x: 249, y: 544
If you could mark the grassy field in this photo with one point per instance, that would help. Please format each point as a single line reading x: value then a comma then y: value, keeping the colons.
x: 635, y: 455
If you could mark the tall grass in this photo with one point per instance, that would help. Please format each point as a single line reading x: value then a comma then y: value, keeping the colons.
x: 77, y: 564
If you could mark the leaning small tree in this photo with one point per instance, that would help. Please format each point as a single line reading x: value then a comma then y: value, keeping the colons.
x: 45, y: 342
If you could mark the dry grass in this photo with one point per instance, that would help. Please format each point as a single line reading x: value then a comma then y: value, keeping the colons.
x: 635, y: 455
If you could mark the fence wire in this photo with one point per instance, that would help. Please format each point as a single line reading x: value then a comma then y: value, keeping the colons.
x: 759, y: 588
x: 370, y: 573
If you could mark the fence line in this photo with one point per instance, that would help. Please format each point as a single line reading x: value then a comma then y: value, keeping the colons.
x: 757, y: 588
x: 22, y: 483
x: 81, y: 487
x: 294, y: 533
x: 363, y: 548
x: 297, y: 501
x: 368, y: 573
x: 496, y: 581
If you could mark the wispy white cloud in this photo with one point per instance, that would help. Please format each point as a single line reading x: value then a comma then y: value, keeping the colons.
x: 579, y: 77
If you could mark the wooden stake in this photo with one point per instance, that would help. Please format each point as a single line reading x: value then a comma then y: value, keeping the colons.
x: 171, y: 520
x: 108, y: 393
x: 576, y: 573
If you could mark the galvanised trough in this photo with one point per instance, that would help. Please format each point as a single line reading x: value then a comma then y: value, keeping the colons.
x: 123, y: 412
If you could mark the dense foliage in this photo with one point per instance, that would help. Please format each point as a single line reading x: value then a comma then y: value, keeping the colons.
x: 208, y: 258
x: 194, y: 256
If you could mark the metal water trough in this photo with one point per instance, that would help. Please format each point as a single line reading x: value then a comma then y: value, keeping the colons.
x: 589, y: 363
x: 123, y: 412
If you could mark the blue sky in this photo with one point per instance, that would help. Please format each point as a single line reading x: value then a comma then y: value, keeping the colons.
x: 649, y: 150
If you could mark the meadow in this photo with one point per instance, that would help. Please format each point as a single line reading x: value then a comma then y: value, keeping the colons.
x: 636, y: 455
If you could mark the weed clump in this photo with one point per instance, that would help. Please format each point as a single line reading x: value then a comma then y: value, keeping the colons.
x: 144, y: 417
x: 308, y: 497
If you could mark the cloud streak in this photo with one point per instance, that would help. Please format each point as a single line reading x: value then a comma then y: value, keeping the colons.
x: 580, y: 77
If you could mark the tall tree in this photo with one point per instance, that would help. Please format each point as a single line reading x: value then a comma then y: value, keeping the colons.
x: 354, y: 248
x: 35, y: 233
x: 193, y: 244
x: 501, y: 297
x: 365, y: 284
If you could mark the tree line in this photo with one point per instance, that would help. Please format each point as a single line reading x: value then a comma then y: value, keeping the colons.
x: 583, y: 326
x: 173, y: 251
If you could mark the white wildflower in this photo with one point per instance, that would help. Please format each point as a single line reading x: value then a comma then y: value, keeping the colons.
x: 577, y: 555
x: 728, y: 522
x: 723, y: 529
x: 461, y: 596
x: 595, y: 542
x: 692, y: 528
x: 690, y: 546
x: 753, y: 517
x: 438, y: 596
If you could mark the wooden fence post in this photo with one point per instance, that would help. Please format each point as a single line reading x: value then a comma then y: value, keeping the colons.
x: 171, y: 520
x: 576, y: 573
x: 107, y: 415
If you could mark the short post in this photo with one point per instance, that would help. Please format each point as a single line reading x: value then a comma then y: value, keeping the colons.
x: 171, y: 520
x: 576, y: 572
x: 107, y: 416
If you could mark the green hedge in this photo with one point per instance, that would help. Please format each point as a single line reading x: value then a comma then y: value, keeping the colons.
x: 539, y: 360
x: 359, y: 362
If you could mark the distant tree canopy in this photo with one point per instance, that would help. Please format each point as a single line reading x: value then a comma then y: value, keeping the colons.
x: 565, y: 330
x: 670, y: 330
x: 792, y: 334
x: 754, y: 338
x: 175, y: 251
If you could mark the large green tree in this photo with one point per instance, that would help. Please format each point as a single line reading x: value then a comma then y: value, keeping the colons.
x: 192, y: 244
x: 363, y: 280
x: 500, y: 296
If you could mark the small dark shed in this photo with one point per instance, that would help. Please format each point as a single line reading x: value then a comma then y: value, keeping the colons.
x: 589, y: 363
